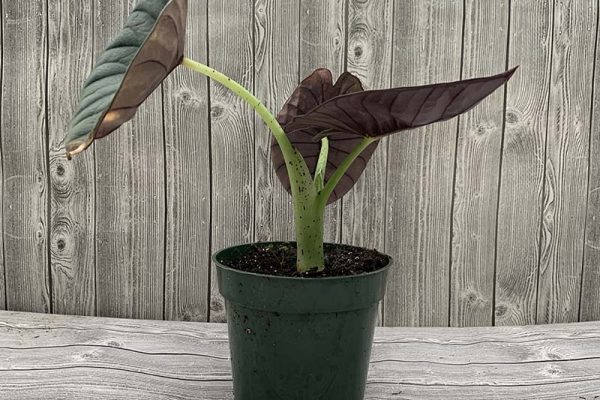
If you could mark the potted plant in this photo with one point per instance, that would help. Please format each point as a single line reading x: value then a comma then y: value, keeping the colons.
x: 301, y: 315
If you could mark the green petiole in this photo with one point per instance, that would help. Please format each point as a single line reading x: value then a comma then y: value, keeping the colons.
x: 321, y: 164
x: 309, y: 196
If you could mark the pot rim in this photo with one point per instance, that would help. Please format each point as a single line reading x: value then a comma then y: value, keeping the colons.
x: 297, y: 278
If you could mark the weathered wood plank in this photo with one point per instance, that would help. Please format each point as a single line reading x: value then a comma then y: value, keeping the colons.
x: 567, y: 152
x: 187, y: 141
x: 71, y: 183
x: 276, y: 76
x: 24, y: 148
x: 50, y: 356
x: 130, y: 199
x: 590, y: 294
x: 477, y: 170
x: 369, y: 57
x: 369, y: 54
x: 230, y: 46
x: 2, y: 269
x: 323, y: 45
x: 427, y: 49
x: 522, y: 172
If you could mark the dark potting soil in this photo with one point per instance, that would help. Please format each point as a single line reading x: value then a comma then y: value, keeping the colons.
x: 280, y: 259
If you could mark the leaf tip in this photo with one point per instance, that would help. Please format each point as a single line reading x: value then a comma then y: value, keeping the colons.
x: 75, y: 148
x: 511, y: 72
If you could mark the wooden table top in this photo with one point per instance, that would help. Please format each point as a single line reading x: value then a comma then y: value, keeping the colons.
x: 64, y: 357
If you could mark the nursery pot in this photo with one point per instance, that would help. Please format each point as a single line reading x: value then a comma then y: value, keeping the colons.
x: 298, y: 338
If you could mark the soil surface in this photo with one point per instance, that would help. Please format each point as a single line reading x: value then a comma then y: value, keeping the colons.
x: 280, y: 259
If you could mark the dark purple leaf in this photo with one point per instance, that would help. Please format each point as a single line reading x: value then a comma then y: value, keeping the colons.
x: 377, y: 113
x: 312, y: 91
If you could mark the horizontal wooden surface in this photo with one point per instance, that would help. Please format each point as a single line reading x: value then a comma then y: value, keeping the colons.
x: 57, y: 357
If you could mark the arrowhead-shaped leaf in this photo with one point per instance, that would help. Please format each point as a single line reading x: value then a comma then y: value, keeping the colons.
x: 312, y: 91
x: 144, y: 53
x: 376, y: 113
x: 346, y: 114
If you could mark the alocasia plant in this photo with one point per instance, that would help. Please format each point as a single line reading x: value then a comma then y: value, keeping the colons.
x: 322, y: 138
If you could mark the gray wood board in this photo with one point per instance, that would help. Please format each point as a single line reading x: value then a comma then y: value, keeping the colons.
x: 50, y: 357
x: 522, y: 172
x: 369, y: 53
x: 427, y: 49
x: 25, y: 155
x: 130, y: 199
x: 477, y: 170
x: 188, y: 174
x: 590, y: 290
x: 231, y: 51
x: 566, y: 169
x: 72, y: 185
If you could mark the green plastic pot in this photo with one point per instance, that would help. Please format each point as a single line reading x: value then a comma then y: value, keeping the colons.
x: 299, y: 338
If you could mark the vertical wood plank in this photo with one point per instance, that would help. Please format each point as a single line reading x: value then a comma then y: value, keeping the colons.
x: 477, y: 169
x: 323, y: 44
x: 427, y: 49
x: 188, y: 180
x: 590, y: 293
x: 276, y: 76
x: 24, y: 145
x: 522, y: 172
x: 566, y: 161
x: 130, y: 199
x: 232, y: 131
x: 369, y: 56
x: 70, y: 26
x: 2, y: 263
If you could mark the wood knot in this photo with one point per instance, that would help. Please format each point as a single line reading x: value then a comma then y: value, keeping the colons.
x: 188, y: 98
x: 216, y: 306
x: 358, y: 51
x: 501, y: 310
x: 60, y: 170
x: 512, y: 117
x: 216, y: 111
x: 484, y: 129
x: 553, y: 370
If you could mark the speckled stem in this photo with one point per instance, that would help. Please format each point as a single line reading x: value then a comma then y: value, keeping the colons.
x: 308, y: 205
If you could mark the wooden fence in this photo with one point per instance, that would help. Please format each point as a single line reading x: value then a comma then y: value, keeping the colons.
x: 491, y: 218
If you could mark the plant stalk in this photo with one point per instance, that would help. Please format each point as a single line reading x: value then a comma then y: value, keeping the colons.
x: 308, y: 205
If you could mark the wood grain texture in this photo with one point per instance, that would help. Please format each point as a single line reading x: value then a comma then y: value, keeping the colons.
x: 276, y: 47
x: 323, y: 45
x: 427, y: 49
x: 71, y: 183
x: 130, y: 199
x: 24, y: 148
x: 187, y: 141
x: 82, y: 357
x: 590, y: 286
x: 477, y: 170
x: 230, y: 46
x: 522, y: 173
x: 130, y: 224
x: 567, y: 152
x: 2, y: 269
x: 369, y: 53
